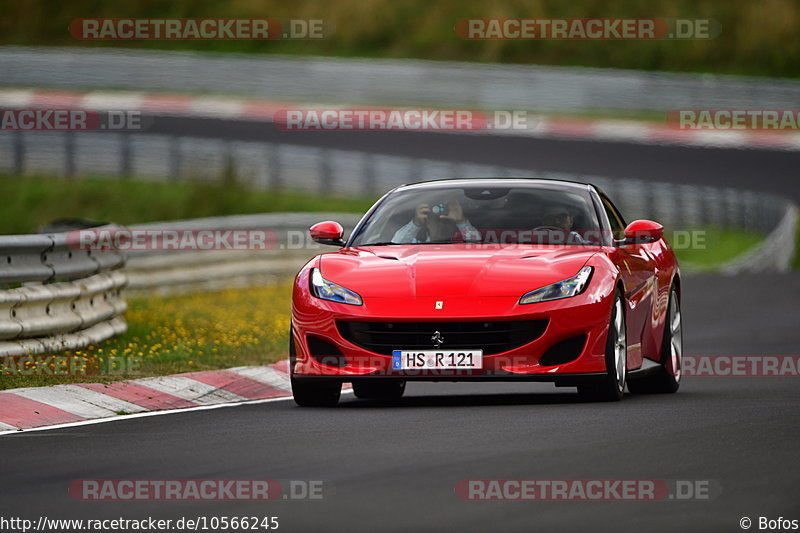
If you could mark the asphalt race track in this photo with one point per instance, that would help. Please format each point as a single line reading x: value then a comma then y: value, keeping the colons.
x: 773, y: 171
x: 395, y: 467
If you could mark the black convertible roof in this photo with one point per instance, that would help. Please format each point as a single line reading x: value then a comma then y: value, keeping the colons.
x: 499, y: 182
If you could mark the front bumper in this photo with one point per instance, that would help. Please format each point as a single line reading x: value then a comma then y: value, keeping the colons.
x: 586, y: 315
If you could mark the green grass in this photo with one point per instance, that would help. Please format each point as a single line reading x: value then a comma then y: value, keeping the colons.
x: 712, y: 247
x: 796, y: 263
x: 175, y: 334
x: 758, y: 38
x: 30, y: 202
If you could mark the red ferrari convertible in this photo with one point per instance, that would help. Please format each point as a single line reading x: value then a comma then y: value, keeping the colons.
x: 488, y: 279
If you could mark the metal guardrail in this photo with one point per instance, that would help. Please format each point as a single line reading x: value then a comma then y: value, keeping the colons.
x: 180, y: 272
x: 396, y: 81
x: 65, y: 298
x: 265, y: 166
x: 775, y: 253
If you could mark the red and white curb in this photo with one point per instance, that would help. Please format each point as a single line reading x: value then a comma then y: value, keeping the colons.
x: 59, y: 405
x: 541, y: 126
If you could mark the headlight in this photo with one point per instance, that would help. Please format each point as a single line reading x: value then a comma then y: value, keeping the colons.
x: 327, y: 290
x: 563, y: 289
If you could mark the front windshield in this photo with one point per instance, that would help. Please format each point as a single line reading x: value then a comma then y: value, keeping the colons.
x: 482, y: 214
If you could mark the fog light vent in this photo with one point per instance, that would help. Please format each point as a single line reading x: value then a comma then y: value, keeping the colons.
x: 325, y: 352
x: 563, y: 351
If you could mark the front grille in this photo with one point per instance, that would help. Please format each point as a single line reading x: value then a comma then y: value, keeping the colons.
x: 492, y: 337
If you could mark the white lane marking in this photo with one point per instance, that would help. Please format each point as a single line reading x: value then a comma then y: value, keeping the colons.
x: 128, y: 101
x: 216, y: 107
x: 788, y: 141
x: 720, y: 138
x: 149, y: 413
x: 264, y: 374
x: 104, y: 400
x: 4, y: 426
x: 190, y: 389
x: 78, y: 400
x: 16, y: 98
x: 618, y: 130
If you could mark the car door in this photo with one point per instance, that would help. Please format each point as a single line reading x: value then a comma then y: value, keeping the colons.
x: 637, y: 270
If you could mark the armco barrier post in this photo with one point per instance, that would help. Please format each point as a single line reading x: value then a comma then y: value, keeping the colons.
x: 368, y: 173
x: 69, y: 154
x: 125, y: 155
x: 325, y: 174
x: 19, y: 152
x: 175, y: 158
x: 274, y: 169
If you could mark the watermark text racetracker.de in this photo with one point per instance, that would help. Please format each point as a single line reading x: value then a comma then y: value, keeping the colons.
x: 176, y: 239
x: 740, y: 366
x: 44, y: 119
x: 583, y: 29
x: 734, y: 119
x: 586, y: 489
x: 69, y: 365
x: 141, y: 240
x: 194, y: 29
x: 196, y: 490
x: 725, y: 366
x: 394, y: 119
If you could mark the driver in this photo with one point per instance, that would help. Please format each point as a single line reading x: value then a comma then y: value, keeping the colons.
x: 561, y: 218
x: 426, y: 226
x: 558, y: 217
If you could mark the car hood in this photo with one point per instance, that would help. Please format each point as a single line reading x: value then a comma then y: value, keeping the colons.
x: 452, y: 269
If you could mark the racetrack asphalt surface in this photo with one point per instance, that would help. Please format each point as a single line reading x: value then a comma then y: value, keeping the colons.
x: 764, y: 170
x: 394, y: 467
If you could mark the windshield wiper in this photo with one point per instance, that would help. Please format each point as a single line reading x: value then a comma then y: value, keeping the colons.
x: 388, y: 243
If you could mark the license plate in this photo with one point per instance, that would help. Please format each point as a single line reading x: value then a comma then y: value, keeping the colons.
x: 436, y: 359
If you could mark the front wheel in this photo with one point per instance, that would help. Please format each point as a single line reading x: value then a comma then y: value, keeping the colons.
x: 311, y: 392
x: 316, y: 393
x: 612, y: 387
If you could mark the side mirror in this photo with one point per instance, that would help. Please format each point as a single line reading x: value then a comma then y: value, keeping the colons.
x: 643, y: 232
x: 327, y: 232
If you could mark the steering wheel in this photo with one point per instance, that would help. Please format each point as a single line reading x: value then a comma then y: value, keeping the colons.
x: 571, y: 235
x: 553, y: 228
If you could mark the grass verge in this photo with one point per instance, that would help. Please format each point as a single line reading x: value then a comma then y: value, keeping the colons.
x: 796, y: 263
x: 170, y: 335
x: 756, y: 37
x: 708, y: 249
x: 30, y: 202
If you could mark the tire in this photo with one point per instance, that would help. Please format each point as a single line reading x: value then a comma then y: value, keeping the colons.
x: 316, y: 392
x: 667, y: 378
x: 311, y: 392
x: 612, y: 387
x: 379, y: 389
